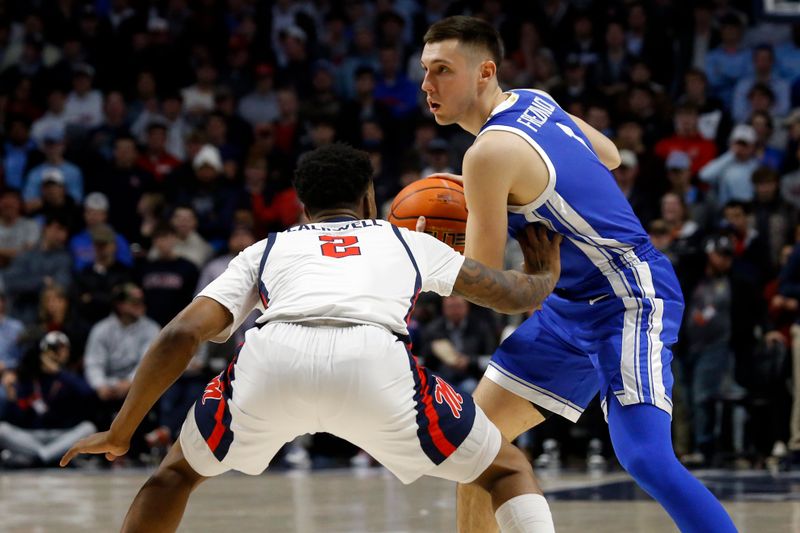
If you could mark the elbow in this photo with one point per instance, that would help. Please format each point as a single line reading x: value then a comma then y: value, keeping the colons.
x: 178, y: 333
x: 613, y: 159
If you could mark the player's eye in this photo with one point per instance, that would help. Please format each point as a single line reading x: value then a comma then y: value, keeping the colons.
x: 444, y: 69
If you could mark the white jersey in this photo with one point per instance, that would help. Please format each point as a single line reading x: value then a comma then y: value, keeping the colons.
x: 357, y: 271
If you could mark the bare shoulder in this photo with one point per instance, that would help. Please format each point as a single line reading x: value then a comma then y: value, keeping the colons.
x: 499, y: 150
x: 510, y: 156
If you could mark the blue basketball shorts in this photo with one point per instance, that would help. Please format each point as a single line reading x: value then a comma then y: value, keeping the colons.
x: 614, y: 340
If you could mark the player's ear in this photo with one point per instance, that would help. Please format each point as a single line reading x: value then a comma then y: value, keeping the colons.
x: 488, y: 70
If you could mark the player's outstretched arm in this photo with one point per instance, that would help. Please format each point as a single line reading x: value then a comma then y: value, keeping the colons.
x: 164, y: 362
x: 511, y: 291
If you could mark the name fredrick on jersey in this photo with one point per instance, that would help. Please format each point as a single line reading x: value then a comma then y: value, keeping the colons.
x: 536, y: 114
x: 356, y: 224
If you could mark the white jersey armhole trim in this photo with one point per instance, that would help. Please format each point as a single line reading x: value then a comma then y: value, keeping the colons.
x: 551, y: 170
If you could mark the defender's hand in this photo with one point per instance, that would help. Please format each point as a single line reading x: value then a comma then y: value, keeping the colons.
x: 541, y: 253
x: 102, y: 442
x: 421, y: 224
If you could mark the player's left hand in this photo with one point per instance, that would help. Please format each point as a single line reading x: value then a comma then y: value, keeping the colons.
x: 103, y: 442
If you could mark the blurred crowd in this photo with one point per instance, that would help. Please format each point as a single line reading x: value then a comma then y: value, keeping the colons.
x: 145, y: 142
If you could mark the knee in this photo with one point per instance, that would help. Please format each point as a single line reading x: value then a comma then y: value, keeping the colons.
x: 174, y: 477
x: 510, y: 462
x: 638, y: 462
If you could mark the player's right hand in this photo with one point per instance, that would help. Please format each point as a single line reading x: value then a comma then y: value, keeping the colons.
x: 421, y: 225
x: 102, y: 442
x: 541, y: 253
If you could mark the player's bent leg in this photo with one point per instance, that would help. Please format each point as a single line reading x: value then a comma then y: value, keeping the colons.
x: 516, y: 498
x: 160, y: 503
x: 513, y: 416
x: 642, y: 442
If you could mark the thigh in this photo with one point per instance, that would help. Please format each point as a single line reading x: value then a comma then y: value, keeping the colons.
x: 538, y: 364
x: 412, y: 421
x: 241, y: 419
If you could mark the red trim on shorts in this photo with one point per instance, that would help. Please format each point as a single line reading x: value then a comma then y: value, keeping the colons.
x: 219, y: 428
x: 434, y: 430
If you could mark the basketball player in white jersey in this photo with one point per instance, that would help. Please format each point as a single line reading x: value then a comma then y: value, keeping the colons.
x: 335, y: 296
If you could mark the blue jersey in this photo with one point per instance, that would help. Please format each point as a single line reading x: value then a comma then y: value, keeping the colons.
x: 582, y: 201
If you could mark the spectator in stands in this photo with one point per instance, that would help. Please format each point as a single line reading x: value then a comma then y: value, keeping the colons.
x: 613, y: 66
x: 50, y: 409
x: 82, y: 245
x: 54, y: 160
x: 687, y: 139
x: 209, y: 195
x: 769, y: 156
x: 364, y: 55
x: 241, y: 237
x: 94, y: 282
x: 730, y: 61
x: 124, y: 183
x: 40, y: 267
x: 453, y: 342
x: 168, y: 281
x: 113, y: 125
x: 393, y: 88
x: 714, y: 120
x: 679, y: 181
x: 116, y: 345
x: 190, y: 244
x: 56, y: 313
x: 270, y: 197
x: 18, y: 153
x: 55, y: 119
x: 84, y: 105
x: 177, y: 127
x: 156, y: 160
x: 261, y: 105
x: 17, y: 233
x: 362, y: 106
x: 437, y: 157
x: 763, y: 71
x: 708, y: 362
x: 10, y: 352
x: 731, y: 172
x: 55, y: 202
x: 773, y: 219
x: 199, y: 98
x: 685, y: 248
x: 627, y: 179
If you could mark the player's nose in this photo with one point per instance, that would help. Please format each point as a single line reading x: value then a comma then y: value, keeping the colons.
x: 427, y: 86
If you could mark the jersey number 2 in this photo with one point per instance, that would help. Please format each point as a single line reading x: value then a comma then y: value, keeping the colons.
x: 339, y: 247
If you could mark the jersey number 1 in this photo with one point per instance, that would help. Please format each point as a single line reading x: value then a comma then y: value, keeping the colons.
x: 339, y: 247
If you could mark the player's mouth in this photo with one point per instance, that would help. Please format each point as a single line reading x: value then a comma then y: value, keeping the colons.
x: 433, y: 106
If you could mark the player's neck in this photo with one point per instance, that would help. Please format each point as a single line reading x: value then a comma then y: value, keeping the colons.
x: 328, y: 214
x: 483, y: 110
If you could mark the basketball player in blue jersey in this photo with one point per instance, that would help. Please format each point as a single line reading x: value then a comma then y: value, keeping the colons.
x: 616, y: 310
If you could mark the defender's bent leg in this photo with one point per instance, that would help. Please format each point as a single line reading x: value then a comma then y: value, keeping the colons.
x: 515, y: 497
x: 159, y: 505
x: 642, y: 441
x: 513, y: 416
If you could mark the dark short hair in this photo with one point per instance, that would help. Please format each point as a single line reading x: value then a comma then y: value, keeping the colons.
x: 737, y: 204
x: 332, y: 176
x: 470, y: 31
x: 163, y: 229
x: 764, y: 174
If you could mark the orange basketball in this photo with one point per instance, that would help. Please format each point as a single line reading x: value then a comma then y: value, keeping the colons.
x: 442, y: 204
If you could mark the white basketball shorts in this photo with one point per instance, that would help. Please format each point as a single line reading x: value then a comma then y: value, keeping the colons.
x: 356, y: 382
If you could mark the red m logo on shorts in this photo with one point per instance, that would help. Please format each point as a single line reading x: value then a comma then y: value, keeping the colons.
x: 445, y: 393
x: 213, y: 390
